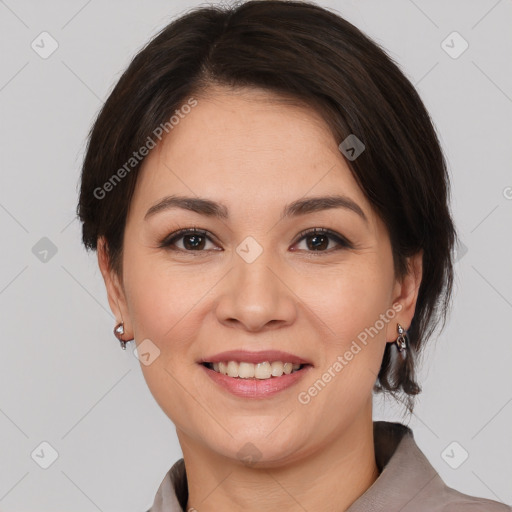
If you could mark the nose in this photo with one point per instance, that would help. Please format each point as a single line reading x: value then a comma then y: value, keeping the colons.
x: 255, y: 296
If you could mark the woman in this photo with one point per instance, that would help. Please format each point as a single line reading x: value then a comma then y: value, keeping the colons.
x: 269, y: 203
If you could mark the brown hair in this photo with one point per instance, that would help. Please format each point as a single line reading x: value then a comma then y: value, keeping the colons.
x: 299, y: 50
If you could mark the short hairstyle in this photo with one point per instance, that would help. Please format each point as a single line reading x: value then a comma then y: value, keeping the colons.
x: 302, y: 51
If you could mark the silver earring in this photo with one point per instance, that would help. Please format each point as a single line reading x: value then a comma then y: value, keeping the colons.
x: 118, y: 332
x: 401, y: 341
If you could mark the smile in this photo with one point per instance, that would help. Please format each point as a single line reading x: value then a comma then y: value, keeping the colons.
x: 255, y: 380
x: 246, y: 370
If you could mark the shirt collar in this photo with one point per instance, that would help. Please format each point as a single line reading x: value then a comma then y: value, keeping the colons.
x: 406, y: 479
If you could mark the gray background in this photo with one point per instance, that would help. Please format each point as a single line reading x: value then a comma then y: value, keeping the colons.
x: 63, y: 377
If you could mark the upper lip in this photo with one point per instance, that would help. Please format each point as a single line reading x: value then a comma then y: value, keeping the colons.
x: 255, y: 357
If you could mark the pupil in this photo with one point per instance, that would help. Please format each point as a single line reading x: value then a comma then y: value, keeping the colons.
x: 316, y: 244
x: 194, y: 245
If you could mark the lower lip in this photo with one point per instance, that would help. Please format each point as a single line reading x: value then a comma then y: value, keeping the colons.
x: 256, y: 388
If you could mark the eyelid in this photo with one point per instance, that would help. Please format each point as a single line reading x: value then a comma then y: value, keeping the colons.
x: 341, y: 240
x: 166, y: 243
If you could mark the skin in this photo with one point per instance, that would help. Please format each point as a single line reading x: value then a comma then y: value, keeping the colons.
x: 254, y: 153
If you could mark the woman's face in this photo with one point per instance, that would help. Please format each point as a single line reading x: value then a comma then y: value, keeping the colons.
x: 254, y: 284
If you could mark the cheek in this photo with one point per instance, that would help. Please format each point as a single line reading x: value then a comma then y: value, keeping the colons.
x: 162, y: 299
x: 352, y: 309
x: 350, y: 300
x: 161, y: 307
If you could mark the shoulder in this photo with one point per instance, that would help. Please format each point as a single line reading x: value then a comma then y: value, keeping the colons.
x: 408, y: 482
x: 458, y: 502
x: 455, y: 501
x: 172, y: 494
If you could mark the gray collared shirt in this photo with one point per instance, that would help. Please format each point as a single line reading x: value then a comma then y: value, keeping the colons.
x: 407, y: 481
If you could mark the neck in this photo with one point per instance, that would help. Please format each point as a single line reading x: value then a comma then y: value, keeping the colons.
x: 331, y: 478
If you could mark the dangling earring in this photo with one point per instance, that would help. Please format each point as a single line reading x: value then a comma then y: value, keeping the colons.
x: 401, y: 341
x: 118, y: 332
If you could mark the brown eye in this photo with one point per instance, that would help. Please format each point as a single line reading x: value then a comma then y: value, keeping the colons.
x: 318, y: 240
x: 193, y: 240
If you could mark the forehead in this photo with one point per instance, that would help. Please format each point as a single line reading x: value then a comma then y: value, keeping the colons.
x: 248, y: 144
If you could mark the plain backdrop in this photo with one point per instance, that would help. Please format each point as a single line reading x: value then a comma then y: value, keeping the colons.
x: 65, y: 382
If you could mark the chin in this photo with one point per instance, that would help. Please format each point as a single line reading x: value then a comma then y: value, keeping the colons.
x: 261, y: 446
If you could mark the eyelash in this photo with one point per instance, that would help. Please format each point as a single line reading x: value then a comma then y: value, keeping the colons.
x: 172, y: 238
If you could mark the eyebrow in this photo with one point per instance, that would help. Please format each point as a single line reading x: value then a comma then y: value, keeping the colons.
x: 211, y: 208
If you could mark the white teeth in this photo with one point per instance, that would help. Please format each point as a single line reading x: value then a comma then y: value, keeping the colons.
x: 276, y: 368
x: 232, y: 369
x: 264, y: 370
x: 245, y: 370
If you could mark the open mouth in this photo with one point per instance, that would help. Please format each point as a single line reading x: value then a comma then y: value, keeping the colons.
x: 261, y: 371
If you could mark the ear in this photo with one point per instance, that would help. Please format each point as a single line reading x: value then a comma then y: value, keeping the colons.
x: 115, y: 291
x: 405, y: 293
